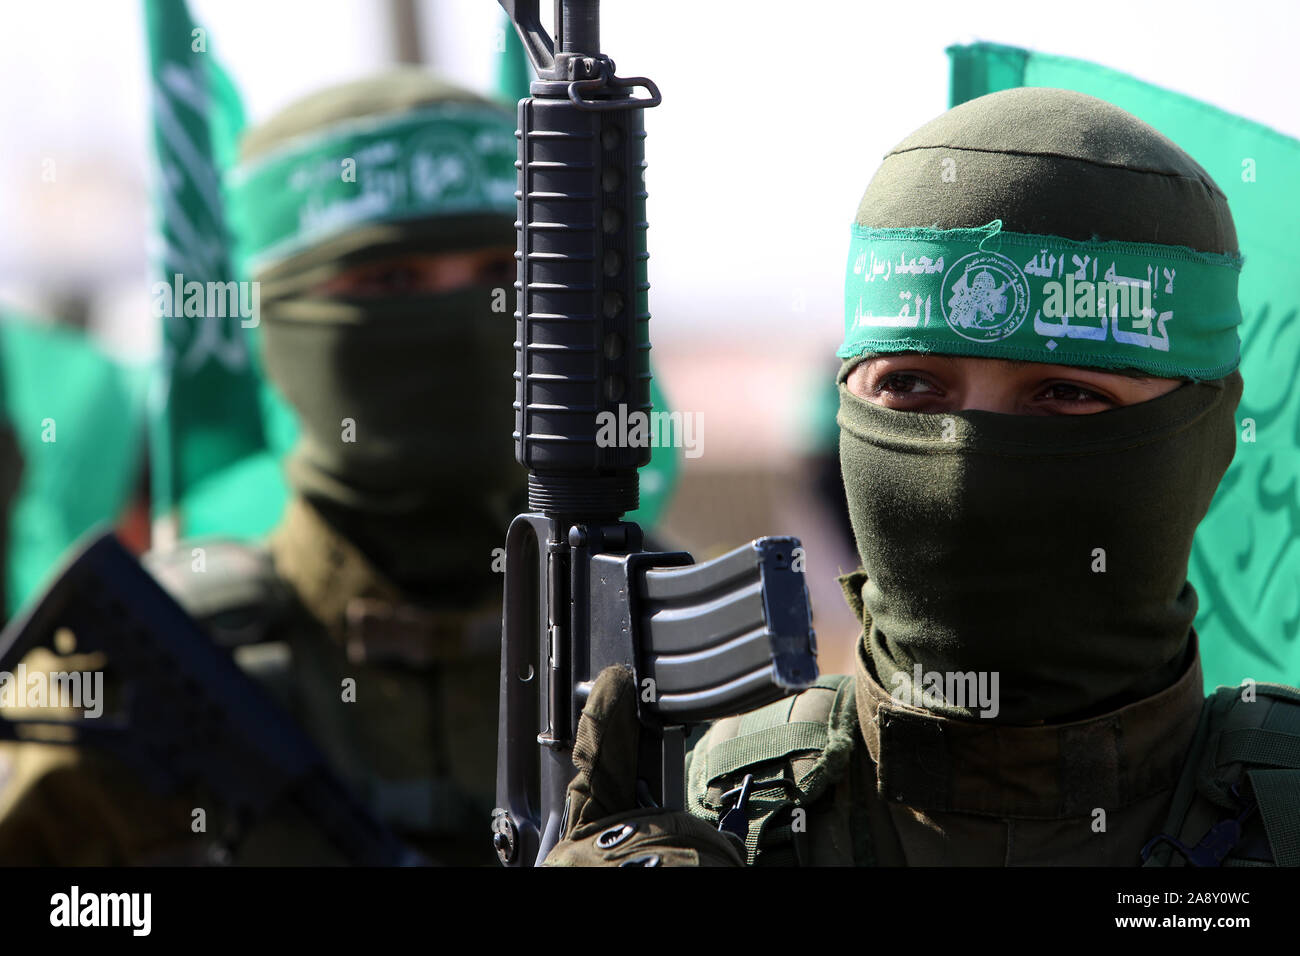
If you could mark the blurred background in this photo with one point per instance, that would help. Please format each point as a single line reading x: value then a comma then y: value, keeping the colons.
x: 774, y: 117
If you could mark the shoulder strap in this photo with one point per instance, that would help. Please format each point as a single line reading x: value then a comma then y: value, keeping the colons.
x: 228, y: 586
x: 795, y: 749
x: 1243, y: 766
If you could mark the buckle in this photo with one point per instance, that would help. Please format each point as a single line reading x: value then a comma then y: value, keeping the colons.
x: 1215, y: 846
x: 383, y: 632
x: 736, y: 820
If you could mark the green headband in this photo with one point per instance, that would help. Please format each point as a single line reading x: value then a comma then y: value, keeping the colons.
x: 449, y: 159
x: 1166, y: 310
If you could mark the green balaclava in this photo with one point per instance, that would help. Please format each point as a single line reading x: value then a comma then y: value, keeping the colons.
x: 1046, y: 554
x: 405, y: 399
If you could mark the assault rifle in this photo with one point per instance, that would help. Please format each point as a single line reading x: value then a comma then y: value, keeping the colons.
x: 703, y: 641
x: 189, y: 717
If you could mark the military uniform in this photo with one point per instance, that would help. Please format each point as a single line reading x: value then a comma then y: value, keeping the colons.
x: 871, y: 781
x: 371, y: 613
x: 1048, y: 552
x: 843, y: 774
x: 302, y: 614
x: 416, y: 743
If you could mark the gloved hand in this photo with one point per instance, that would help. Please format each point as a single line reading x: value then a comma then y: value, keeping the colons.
x: 605, y: 826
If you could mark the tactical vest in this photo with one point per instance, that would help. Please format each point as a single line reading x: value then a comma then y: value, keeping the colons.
x: 1237, y: 802
x: 799, y: 752
x: 255, y: 614
x: 229, y: 587
x: 241, y: 600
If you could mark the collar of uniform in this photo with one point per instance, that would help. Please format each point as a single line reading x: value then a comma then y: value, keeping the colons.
x: 361, y: 608
x: 1052, y: 771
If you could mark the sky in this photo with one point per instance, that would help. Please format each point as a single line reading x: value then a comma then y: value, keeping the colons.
x: 771, y: 125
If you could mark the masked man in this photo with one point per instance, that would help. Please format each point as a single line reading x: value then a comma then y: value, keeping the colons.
x: 378, y: 218
x: 1036, y: 407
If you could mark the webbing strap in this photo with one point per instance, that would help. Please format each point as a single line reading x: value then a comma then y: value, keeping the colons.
x: 768, y: 798
x: 1279, y: 691
x: 772, y: 715
x: 832, y: 681
x: 1255, y: 746
x: 1274, y: 752
x: 862, y: 785
x: 1283, y: 719
x: 773, y: 744
x: 1277, y: 792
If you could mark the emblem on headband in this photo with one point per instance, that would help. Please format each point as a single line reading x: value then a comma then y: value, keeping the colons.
x: 985, y: 297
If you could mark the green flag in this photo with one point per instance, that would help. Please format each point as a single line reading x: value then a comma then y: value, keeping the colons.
x: 1246, y: 561
x: 204, y: 407
x: 514, y: 72
x: 78, y: 418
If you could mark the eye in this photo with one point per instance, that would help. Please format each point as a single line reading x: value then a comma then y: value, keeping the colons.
x: 390, y: 279
x: 904, y: 383
x: 1071, y: 394
x: 499, y: 271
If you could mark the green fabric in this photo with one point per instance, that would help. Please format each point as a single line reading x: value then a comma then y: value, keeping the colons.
x: 660, y: 475
x: 514, y: 73
x: 204, y: 402
x: 768, y: 743
x: 403, y: 447
x: 1165, y: 310
x: 811, y: 735
x: 11, y: 470
x: 83, y: 471
x: 212, y: 506
x: 398, y: 89
x: 244, y: 498
x: 1245, y: 562
x: 1048, y: 162
x: 440, y: 160
x: 978, y: 536
x: 983, y: 68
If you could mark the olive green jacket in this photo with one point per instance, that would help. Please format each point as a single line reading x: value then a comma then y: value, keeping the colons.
x: 844, y: 774
x: 400, y: 697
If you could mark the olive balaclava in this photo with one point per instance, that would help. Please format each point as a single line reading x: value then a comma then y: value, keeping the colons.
x: 404, y: 399
x: 1042, y: 558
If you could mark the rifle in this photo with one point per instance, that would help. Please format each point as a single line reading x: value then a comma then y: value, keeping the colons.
x: 703, y: 641
x: 190, y: 716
